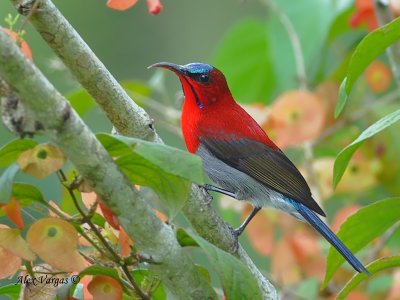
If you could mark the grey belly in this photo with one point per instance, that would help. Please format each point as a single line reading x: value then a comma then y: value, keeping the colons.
x: 245, y: 187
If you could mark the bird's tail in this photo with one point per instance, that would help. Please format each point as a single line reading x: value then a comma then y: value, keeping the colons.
x: 325, y: 231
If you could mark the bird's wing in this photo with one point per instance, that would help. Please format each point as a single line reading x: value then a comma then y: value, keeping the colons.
x: 268, y: 166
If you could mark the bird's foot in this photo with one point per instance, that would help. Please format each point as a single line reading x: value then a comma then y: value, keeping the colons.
x: 235, y: 245
x: 238, y: 231
x: 206, y: 194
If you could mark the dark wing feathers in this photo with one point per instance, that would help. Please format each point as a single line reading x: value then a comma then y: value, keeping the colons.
x: 268, y: 166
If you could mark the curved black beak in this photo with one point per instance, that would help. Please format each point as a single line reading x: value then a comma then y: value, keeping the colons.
x: 170, y: 66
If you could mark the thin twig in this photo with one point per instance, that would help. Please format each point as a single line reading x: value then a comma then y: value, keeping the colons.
x: 115, y: 256
x: 129, y: 119
x: 312, y: 177
x: 294, y: 41
x: 32, y: 10
x: 302, y: 77
x: 357, y: 115
x: 93, y: 243
x: 372, y: 254
x: 384, y: 15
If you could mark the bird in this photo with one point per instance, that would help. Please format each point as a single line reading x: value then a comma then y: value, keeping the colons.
x: 239, y: 157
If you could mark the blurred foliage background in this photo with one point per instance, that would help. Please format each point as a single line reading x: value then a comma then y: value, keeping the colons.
x: 284, y: 61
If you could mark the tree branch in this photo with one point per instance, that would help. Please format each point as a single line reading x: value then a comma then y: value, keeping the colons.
x: 125, y: 114
x: 384, y: 15
x: 64, y: 128
x: 131, y: 120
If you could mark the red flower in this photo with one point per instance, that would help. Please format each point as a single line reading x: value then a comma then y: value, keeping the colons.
x: 155, y: 6
x: 364, y: 14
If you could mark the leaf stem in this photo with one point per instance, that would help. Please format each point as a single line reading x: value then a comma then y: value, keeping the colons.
x: 114, y: 255
x: 294, y: 41
x: 357, y: 115
x: 372, y: 254
x: 384, y: 15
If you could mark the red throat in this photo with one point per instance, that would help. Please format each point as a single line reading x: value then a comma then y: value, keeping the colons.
x: 223, y: 119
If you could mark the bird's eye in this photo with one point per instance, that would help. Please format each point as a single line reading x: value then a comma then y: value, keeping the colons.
x: 204, y: 78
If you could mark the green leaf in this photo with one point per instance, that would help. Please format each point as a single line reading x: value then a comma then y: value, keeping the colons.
x: 342, y: 98
x: 78, y: 291
x: 373, y: 268
x: 11, y: 290
x: 167, y: 170
x: 100, y: 270
x: 244, y: 58
x: 380, y: 283
x: 144, y: 278
x: 98, y: 220
x: 139, y: 91
x: 81, y: 101
x: 367, y: 50
x: 361, y: 228
x: 299, y: 18
x: 6, y: 182
x: 202, y: 270
x: 184, y: 239
x: 172, y: 189
x: 237, y: 281
x: 170, y: 159
x: 10, y: 152
x: 113, y: 145
x: 308, y: 289
x: 26, y: 193
x: 343, y: 158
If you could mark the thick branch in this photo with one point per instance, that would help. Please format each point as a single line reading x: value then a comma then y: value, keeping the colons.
x: 122, y: 111
x: 65, y: 129
x: 126, y: 115
x: 14, y: 115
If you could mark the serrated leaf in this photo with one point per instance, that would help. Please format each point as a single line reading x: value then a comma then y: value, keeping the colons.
x: 373, y: 268
x: 237, y: 281
x: 343, y: 158
x: 357, y: 231
x: 367, y: 50
x: 10, y: 152
x: 250, y: 76
x: 6, y: 182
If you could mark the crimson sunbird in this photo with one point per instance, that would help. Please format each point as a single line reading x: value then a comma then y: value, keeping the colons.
x: 238, y: 155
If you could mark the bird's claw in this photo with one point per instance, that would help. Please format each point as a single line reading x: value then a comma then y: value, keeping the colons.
x: 237, y: 231
x: 235, y: 245
x: 206, y: 194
